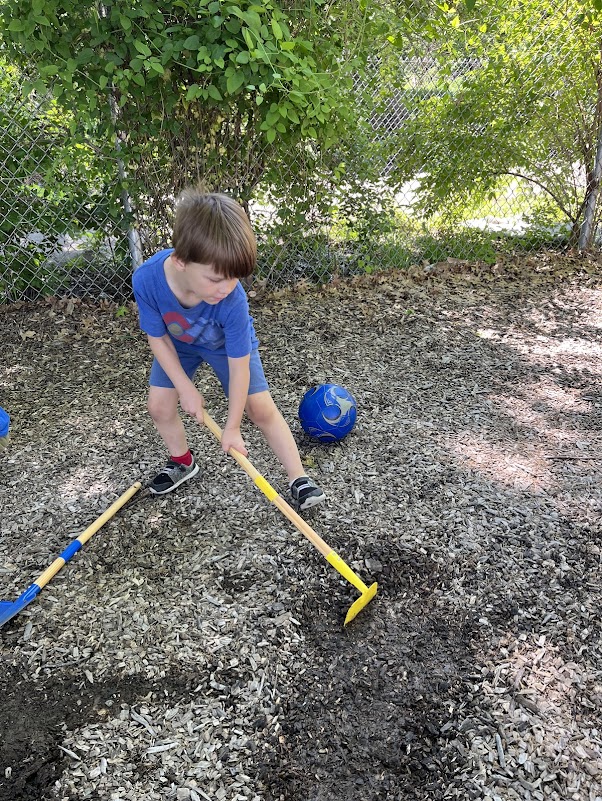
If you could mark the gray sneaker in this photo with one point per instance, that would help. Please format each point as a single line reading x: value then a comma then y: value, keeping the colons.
x: 172, y: 475
x: 305, y: 493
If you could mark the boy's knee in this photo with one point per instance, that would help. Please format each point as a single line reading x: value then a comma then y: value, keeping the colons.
x: 161, y: 407
x: 261, y: 408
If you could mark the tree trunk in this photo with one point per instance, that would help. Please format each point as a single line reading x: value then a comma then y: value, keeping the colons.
x: 586, y: 234
x: 588, y: 229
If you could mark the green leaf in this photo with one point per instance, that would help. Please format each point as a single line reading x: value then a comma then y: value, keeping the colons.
x: 243, y: 57
x: 142, y: 48
x: 398, y: 42
x: 125, y: 22
x: 232, y: 26
x: 38, y: 86
x: 214, y: 92
x: 253, y: 20
x: 192, y: 43
x: 85, y: 56
x: 277, y: 29
x: 297, y: 98
x: 156, y: 66
x: 234, y: 82
x: 249, y: 41
x: 16, y: 25
x: 271, y: 135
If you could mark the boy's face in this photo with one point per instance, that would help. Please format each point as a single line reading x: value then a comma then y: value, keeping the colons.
x: 205, y: 282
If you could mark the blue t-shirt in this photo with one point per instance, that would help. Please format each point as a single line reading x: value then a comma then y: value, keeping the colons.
x: 224, y: 327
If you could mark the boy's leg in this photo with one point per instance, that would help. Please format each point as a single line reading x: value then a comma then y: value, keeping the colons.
x: 163, y: 408
x: 163, y: 402
x: 262, y: 411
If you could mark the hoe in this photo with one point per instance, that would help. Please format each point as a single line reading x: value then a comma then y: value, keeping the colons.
x: 367, y: 593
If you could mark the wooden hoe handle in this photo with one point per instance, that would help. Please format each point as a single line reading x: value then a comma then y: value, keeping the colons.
x: 269, y: 491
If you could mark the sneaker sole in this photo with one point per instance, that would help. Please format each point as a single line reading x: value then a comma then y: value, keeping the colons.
x: 177, y: 484
x: 311, y: 502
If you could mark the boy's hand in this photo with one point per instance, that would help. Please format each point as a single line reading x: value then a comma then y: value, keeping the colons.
x: 232, y: 438
x: 192, y: 402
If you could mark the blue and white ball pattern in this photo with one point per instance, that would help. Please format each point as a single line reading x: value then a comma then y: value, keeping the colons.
x: 328, y: 412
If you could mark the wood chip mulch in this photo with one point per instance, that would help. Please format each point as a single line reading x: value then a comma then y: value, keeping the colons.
x: 194, y: 648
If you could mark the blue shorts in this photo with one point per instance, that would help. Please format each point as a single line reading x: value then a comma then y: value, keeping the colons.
x: 191, y: 359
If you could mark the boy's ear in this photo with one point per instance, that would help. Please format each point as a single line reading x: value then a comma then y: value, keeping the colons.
x: 178, y: 263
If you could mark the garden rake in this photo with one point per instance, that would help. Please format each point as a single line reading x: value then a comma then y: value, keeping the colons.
x: 8, y: 609
x: 367, y: 593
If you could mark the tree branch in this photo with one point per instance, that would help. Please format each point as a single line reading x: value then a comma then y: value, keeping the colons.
x: 548, y: 191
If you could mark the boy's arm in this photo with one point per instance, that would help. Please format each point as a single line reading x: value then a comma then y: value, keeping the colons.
x: 191, y: 399
x: 237, y: 398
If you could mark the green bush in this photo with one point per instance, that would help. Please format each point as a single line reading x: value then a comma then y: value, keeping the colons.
x: 54, y: 191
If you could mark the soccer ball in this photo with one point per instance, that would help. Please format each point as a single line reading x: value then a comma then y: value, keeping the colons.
x: 327, y: 412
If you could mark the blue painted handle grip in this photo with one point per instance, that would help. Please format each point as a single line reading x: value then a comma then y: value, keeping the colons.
x: 70, y: 550
x: 30, y: 593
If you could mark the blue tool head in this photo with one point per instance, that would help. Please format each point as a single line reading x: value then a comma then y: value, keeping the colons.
x: 4, y: 422
x: 8, y: 609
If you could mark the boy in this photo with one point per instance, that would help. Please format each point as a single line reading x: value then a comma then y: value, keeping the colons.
x: 193, y: 309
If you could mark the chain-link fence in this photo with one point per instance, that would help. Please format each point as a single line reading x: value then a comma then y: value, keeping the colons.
x: 465, y: 151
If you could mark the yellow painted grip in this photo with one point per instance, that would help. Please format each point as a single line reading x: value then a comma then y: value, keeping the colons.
x: 345, y: 571
x: 266, y: 488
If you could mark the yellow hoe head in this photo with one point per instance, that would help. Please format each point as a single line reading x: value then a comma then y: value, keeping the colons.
x: 367, y: 593
x: 357, y: 606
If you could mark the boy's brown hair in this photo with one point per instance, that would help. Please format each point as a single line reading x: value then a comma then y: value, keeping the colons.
x: 211, y: 228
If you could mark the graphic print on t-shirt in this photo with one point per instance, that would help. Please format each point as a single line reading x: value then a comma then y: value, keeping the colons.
x: 202, y: 331
x: 176, y: 325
